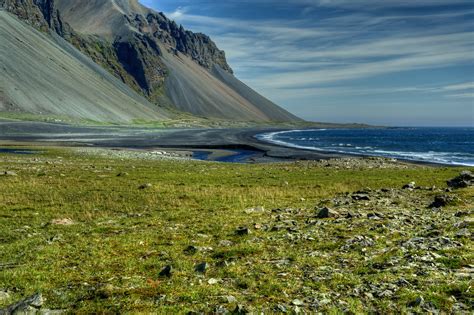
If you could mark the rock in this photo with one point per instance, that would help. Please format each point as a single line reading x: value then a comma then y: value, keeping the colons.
x: 191, y: 250
x: 410, y: 186
x: 465, y: 179
x: 242, y: 231
x: 325, y: 213
x: 65, y: 221
x: 258, y: 209
x: 359, y: 197
x: 442, y: 201
x: 417, y: 302
x: 463, y: 233
x: 212, y: 281
x: 124, y: 174
x: 166, y: 271
x: 29, y: 305
x: 202, y: 267
x: 145, y: 186
x: 8, y: 173
x: 240, y: 310
x: 230, y: 299
x: 4, y: 296
x: 297, y: 302
x: 225, y: 243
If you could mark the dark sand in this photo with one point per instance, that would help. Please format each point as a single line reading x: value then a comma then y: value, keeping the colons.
x: 227, y: 145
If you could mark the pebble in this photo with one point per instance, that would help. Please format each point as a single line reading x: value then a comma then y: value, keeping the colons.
x: 166, y: 271
x: 201, y: 267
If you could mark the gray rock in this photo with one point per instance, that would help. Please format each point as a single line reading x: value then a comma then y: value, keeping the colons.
x: 442, y: 201
x: 360, y: 197
x: 191, y: 250
x: 325, y: 213
x: 242, y: 231
x: 465, y: 179
x: 202, y: 267
x: 29, y: 305
x: 417, y: 302
x: 8, y: 173
x: 167, y: 271
x: 145, y: 186
x: 410, y: 186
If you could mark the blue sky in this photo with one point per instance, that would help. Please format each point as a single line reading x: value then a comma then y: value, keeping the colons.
x: 390, y: 62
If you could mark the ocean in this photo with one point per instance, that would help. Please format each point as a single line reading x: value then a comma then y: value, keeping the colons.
x: 453, y: 146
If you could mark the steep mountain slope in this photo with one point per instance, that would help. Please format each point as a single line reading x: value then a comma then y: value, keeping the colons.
x: 46, y: 75
x: 168, y: 63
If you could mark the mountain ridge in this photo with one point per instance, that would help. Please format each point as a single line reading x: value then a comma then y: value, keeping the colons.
x: 150, y: 53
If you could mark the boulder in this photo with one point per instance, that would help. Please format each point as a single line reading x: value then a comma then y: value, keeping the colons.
x: 465, y: 179
x: 326, y: 212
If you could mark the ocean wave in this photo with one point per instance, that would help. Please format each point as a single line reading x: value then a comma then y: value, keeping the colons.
x: 447, y: 158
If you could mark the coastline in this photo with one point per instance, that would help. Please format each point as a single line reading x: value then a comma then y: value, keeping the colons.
x: 225, y: 145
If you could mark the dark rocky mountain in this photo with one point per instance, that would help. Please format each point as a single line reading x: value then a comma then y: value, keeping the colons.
x: 170, y: 66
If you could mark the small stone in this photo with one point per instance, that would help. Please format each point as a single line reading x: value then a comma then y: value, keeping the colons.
x: 242, y: 231
x: 230, y: 299
x: 225, y: 243
x: 212, y: 281
x: 360, y: 197
x: 166, y: 271
x: 325, y: 213
x: 297, y: 302
x: 8, y: 173
x: 65, y: 221
x: 463, y: 233
x: 124, y: 174
x: 191, y: 250
x: 417, y: 302
x: 410, y: 186
x: 240, y: 310
x: 4, y: 296
x: 202, y: 267
x: 145, y: 186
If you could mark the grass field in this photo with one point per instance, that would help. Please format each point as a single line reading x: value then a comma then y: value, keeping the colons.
x: 94, y: 242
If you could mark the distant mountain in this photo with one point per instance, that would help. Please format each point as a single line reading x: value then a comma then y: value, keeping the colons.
x: 175, y: 69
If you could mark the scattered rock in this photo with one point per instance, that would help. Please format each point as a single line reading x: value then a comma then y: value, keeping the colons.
x: 202, y: 267
x: 410, y: 186
x: 463, y: 233
x: 242, y: 231
x: 258, y: 209
x: 191, y: 250
x: 8, y: 173
x: 297, y: 302
x: 325, y: 213
x: 230, y: 299
x: 442, y: 201
x: 4, y: 296
x: 65, y: 221
x: 166, y: 271
x: 145, y: 186
x: 417, y: 302
x: 30, y: 305
x: 124, y: 174
x: 212, y: 281
x: 465, y: 179
x: 360, y: 197
x: 225, y: 243
x: 240, y: 310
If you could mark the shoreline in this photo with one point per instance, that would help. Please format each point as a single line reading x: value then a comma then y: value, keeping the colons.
x: 225, y: 145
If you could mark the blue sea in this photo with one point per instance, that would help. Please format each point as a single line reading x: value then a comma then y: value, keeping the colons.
x: 453, y: 146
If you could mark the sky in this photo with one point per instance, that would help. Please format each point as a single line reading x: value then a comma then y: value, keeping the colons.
x: 384, y: 62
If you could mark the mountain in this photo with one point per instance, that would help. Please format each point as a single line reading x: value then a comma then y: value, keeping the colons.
x: 170, y: 67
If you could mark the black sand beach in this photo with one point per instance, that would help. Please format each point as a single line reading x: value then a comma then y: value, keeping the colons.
x: 228, y: 145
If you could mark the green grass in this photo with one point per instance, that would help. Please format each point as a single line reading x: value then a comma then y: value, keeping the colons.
x: 109, y: 260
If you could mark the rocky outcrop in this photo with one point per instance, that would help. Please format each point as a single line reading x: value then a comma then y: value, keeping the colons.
x: 170, y: 66
x: 41, y: 14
